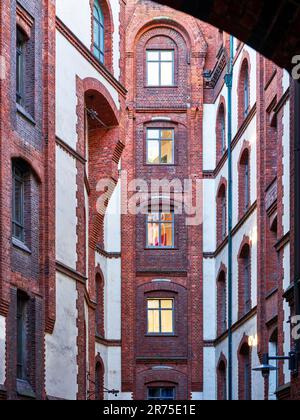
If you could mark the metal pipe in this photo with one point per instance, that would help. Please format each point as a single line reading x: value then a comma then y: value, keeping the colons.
x: 228, y: 81
x: 297, y: 205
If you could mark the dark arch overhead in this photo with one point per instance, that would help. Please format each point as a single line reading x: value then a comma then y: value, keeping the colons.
x: 271, y: 28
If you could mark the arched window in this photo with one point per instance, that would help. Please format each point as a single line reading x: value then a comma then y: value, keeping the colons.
x: 245, y: 303
x: 99, y: 381
x: 245, y: 371
x: 221, y: 303
x: 246, y: 92
x: 244, y: 183
x: 273, y: 380
x: 221, y: 133
x: 222, y: 381
x: 221, y: 214
x: 99, y: 32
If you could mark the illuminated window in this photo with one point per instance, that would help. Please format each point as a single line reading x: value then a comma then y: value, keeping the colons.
x: 160, y: 316
x: 99, y: 32
x: 160, y: 68
x: 160, y: 230
x: 161, y: 394
x: 160, y: 146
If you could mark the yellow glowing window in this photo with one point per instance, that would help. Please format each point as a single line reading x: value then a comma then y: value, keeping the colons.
x: 160, y: 146
x: 160, y: 230
x: 160, y: 316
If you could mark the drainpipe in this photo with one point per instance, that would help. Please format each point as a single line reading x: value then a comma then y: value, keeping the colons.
x: 297, y: 205
x: 228, y: 81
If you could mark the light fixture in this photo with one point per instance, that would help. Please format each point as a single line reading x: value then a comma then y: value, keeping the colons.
x: 265, y: 368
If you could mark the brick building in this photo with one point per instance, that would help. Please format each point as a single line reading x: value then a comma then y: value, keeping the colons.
x: 92, y: 300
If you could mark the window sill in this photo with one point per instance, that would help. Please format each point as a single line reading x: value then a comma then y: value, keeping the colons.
x: 21, y: 246
x: 25, y: 114
x: 161, y: 335
x: 161, y: 87
x: 24, y: 389
x: 160, y: 249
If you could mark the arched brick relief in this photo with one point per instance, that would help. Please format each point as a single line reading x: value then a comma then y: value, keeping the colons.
x: 221, y: 208
x: 164, y: 377
x: 221, y: 119
x: 222, y: 378
x: 245, y: 66
x: 244, y: 277
x: 244, y: 355
x: 244, y: 179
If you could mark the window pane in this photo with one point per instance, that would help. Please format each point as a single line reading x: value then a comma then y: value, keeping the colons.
x: 153, y: 74
x: 167, y: 217
x: 167, y: 56
x: 18, y: 199
x: 153, y: 322
x: 167, y: 134
x: 167, y: 321
x: 152, y: 55
x: 167, y: 152
x: 167, y: 234
x: 166, y: 74
x: 153, y: 304
x: 153, y: 152
x: 152, y: 134
x: 167, y: 392
x: 153, y: 217
x: 166, y: 304
x: 153, y: 234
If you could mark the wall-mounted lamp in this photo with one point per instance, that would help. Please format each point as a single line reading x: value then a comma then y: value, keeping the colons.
x: 265, y: 368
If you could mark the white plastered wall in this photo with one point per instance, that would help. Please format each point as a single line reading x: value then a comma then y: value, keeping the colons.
x: 66, y: 99
x: 66, y: 203
x: 77, y: 16
x: 2, y: 349
x: 61, y: 346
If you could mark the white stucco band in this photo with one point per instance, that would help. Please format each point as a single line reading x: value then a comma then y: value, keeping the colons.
x: 61, y: 346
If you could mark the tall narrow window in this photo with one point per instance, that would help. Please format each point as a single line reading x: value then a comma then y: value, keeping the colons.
x: 222, y: 382
x: 99, y: 32
x: 161, y: 394
x: 21, y: 337
x: 160, y: 68
x: 222, y: 303
x: 99, y: 306
x: 223, y: 132
x: 160, y: 316
x: 99, y: 381
x: 160, y: 146
x: 160, y: 230
x: 18, y: 203
x: 247, y: 281
x: 247, y: 183
x: 245, y: 371
x: 20, y: 67
x: 246, y: 92
x: 224, y: 214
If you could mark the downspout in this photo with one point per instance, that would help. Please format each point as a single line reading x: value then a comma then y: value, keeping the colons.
x: 228, y: 81
x: 297, y: 206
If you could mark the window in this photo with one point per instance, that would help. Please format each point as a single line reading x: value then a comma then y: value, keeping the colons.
x: 99, y: 316
x: 161, y: 394
x: 247, y: 183
x: 245, y: 372
x: 222, y: 303
x: 160, y: 230
x: 160, y: 68
x: 21, y: 336
x: 99, y: 381
x: 20, y: 68
x: 246, y: 92
x: 160, y: 316
x: 224, y: 211
x: 160, y: 146
x: 18, y: 203
x: 247, y: 281
x: 222, y: 382
x: 99, y: 32
x: 245, y: 302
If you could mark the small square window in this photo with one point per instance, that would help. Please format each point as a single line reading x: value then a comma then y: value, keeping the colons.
x: 160, y: 230
x: 160, y: 146
x: 160, y: 316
